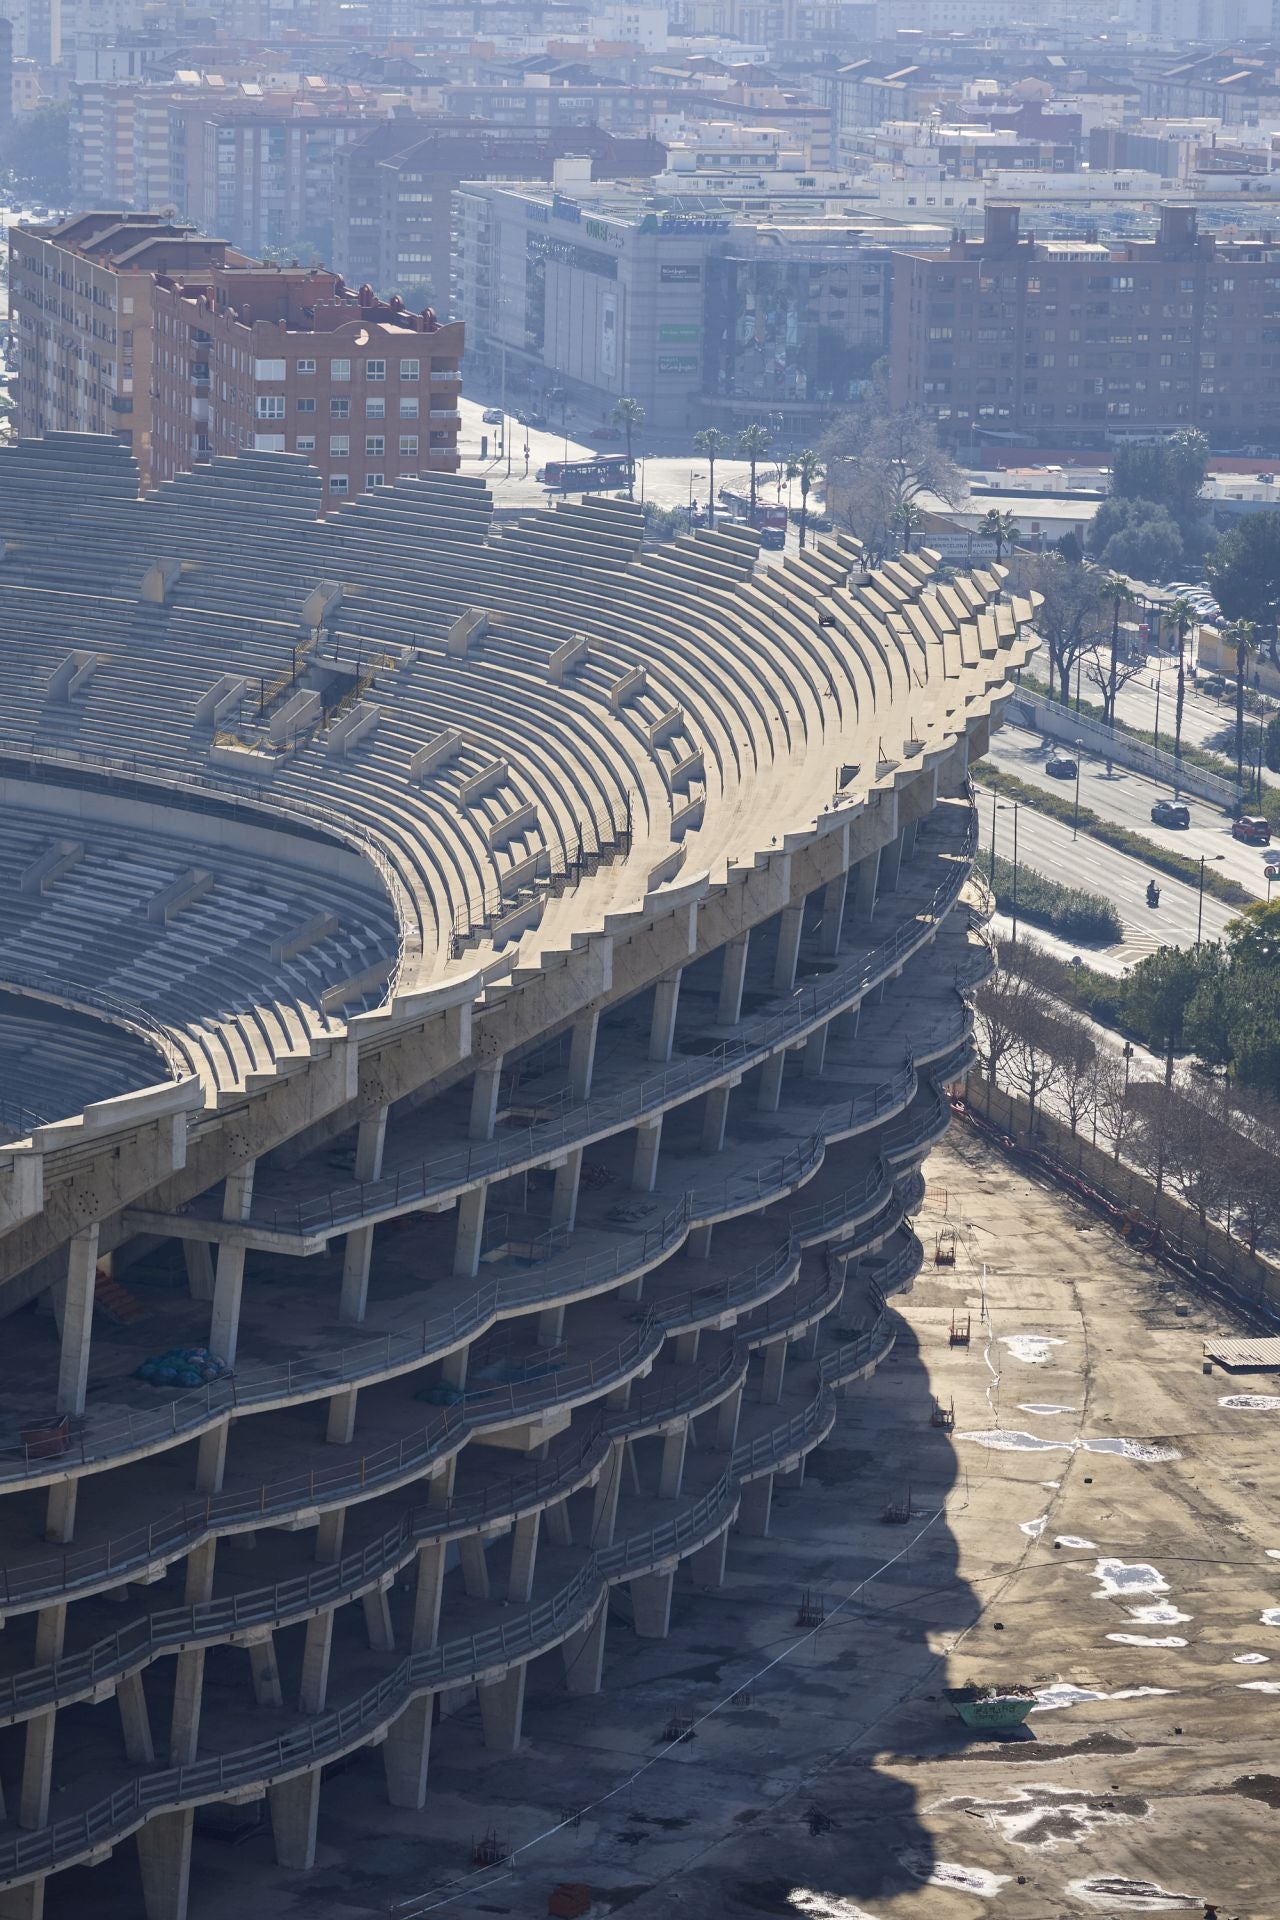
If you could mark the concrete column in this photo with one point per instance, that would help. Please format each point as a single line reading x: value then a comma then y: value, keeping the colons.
x: 715, y: 1114
x: 164, y: 1858
x: 806, y: 1347
x: 845, y: 1025
x: 754, y: 1505
x: 582, y: 1054
x: 475, y: 1566
x: 604, y: 1510
x: 815, y: 1052
x: 77, y: 1321
x: 453, y: 1370
x: 790, y: 927
x: 564, y: 1195
x: 295, y: 1816
x: 707, y: 1564
x: 484, y: 1100
x: 37, y: 1769
x: 558, y: 1524
x: 197, y: 1586
x: 198, y: 1258
x: 60, y: 1512
x: 671, y: 1472
x: 211, y: 1457
x: 23, y: 1903
x: 662, y: 1031
x: 466, y: 1251
x: 909, y: 840
x: 834, y: 898
x: 644, y: 1170
x: 428, y: 1595
x: 733, y: 974
x: 685, y: 1347
x: 228, y: 1283
x: 317, y: 1650
x: 329, y: 1532
x: 340, y: 1426
x: 771, y: 1082
x: 651, y: 1601
x: 866, y: 878
x: 550, y: 1326
x: 377, y: 1619
x: 890, y: 865
x: 727, y: 1416
x: 583, y: 1654
x: 775, y: 1367
x: 188, y: 1695
x: 502, y: 1711
x: 524, y: 1557
x: 406, y: 1753
x: 793, y: 1477
x: 51, y: 1633
x: 357, y: 1253
x: 265, y: 1670
x: 698, y: 1245
x: 135, y: 1721
x: 440, y: 1486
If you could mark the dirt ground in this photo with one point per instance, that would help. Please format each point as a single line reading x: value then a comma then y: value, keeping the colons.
x: 1099, y: 1525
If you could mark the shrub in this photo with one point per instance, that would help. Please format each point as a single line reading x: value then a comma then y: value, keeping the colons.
x: 1067, y: 911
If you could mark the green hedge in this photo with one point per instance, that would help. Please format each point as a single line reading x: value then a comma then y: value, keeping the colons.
x: 1066, y: 911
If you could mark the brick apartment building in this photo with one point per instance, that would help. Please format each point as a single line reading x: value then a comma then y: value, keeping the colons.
x: 138, y: 326
x: 1073, y: 341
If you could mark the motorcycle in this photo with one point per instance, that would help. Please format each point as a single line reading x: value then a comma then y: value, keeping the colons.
x: 1153, y: 894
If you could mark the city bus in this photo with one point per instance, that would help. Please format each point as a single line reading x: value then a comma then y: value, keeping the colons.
x: 595, y: 475
x: 765, y: 515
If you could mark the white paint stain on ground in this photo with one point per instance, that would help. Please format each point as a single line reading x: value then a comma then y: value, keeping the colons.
x: 1032, y: 1349
x: 1115, y: 1895
x: 1043, y: 1816
x: 946, y: 1873
x: 1145, y: 1640
x: 1127, y: 1577
x: 1034, y: 1528
x: 1063, y: 1694
x: 1010, y: 1440
x: 1251, y: 1659
x: 1074, y: 1540
x: 1043, y: 1406
x: 1161, y: 1614
x: 825, y: 1906
x: 1271, y: 1617
x: 1254, y: 1402
x: 1273, y: 1553
x: 1254, y: 1686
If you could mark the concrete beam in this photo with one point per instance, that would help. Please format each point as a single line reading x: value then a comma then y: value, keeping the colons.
x: 295, y: 1818
x: 164, y: 1858
x: 502, y: 1710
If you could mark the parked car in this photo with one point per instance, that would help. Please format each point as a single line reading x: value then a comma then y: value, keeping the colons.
x: 606, y: 436
x: 773, y: 538
x: 1170, y: 813
x: 492, y: 416
x: 1213, y: 683
x: 1253, y: 829
x: 1061, y: 766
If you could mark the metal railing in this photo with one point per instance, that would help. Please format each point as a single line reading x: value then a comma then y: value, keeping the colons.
x: 179, y: 1059
x: 855, y: 1355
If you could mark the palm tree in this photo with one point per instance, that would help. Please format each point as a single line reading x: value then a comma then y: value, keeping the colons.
x: 1241, y: 635
x: 1117, y: 590
x: 908, y: 518
x: 1183, y: 614
x: 1002, y: 527
x: 808, y: 468
x: 753, y: 445
x: 714, y: 443
x: 629, y: 415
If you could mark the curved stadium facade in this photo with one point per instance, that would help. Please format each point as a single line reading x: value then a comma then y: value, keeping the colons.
x: 474, y: 1006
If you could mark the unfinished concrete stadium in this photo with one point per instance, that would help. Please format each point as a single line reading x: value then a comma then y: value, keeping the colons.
x: 475, y: 1003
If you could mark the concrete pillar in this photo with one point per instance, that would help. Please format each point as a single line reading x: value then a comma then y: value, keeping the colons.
x: 790, y: 927
x: 845, y: 1025
x: 662, y: 1031
x: 909, y: 840
x: 582, y: 1054
x: 685, y: 1347
x: 357, y: 1253
x: 558, y: 1524
x: 188, y: 1695
x: 164, y: 1858
x: 329, y: 1532
x: 197, y: 1586
x: 775, y: 1367
x: 77, y: 1321
x: 295, y: 1816
x: 475, y: 1566
x: 524, y: 1557
x: 135, y: 1721
x: 466, y: 1251
x: 733, y: 974
x: 727, y: 1416
x: 794, y: 1476
x: 644, y: 1171
x: 198, y: 1258
x: 428, y: 1595
x: 317, y: 1650
x: 502, y: 1711
x: 715, y: 1114
x: 707, y: 1564
x: 815, y: 1052
x: 865, y: 880
x: 771, y: 1075
x: 60, y: 1512
x: 265, y: 1670
x: 604, y: 1510
x: 228, y: 1283
x: 377, y: 1619
x: 564, y: 1195
x: 651, y: 1601
x: 340, y: 1426
x: 484, y: 1100
x: 671, y: 1472
x: 37, y: 1769
x: 583, y: 1654
x: 440, y: 1485
x: 834, y: 898
x: 23, y: 1903
x: 890, y: 865
x: 550, y: 1326
x: 698, y: 1245
x: 406, y: 1753
x: 806, y: 1347
x: 211, y: 1457
x: 753, y: 1508
x: 51, y: 1633
x: 453, y: 1371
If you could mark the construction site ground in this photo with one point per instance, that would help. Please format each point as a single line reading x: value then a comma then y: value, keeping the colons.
x: 1137, y: 1583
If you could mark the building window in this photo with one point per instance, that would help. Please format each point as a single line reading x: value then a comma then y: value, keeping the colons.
x: 375, y: 369
x: 339, y: 369
x: 375, y: 409
x: 339, y: 445
x: 305, y: 406
x: 270, y: 406
x: 306, y: 366
x: 409, y: 409
x: 410, y: 369
x: 339, y: 409
x: 374, y: 443
x: 338, y: 483
x: 375, y: 480
x: 268, y: 442
x: 305, y: 443
x: 408, y: 444
x: 268, y: 369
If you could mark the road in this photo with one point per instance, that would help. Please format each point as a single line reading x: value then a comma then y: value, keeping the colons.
x: 1206, y: 722
x: 1126, y: 798
x: 1047, y: 847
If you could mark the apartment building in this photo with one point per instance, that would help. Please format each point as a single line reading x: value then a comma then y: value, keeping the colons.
x: 1078, y: 341
x: 140, y: 327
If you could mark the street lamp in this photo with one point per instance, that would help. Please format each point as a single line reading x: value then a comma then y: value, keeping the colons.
x: 1075, y: 823
x: 998, y: 807
x: 1200, y: 896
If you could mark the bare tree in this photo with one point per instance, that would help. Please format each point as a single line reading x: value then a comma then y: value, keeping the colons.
x: 1115, y: 1111
x: 1253, y: 1192
x: 1198, y: 1144
x: 1023, y: 979
x: 1036, y: 1062
x: 1078, y: 1084
x: 1069, y: 621
x: 880, y: 461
